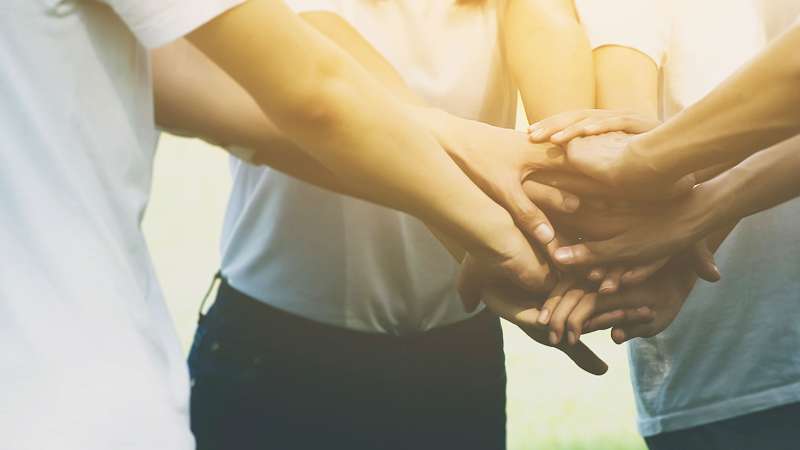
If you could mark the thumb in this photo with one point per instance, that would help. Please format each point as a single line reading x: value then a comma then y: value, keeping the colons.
x: 585, y: 358
x: 704, y: 264
x: 530, y: 219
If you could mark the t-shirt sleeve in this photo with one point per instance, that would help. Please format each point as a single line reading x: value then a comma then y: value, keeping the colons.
x: 158, y: 22
x: 637, y: 24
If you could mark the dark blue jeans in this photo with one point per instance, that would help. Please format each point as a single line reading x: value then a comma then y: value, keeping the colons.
x: 773, y: 429
x: 266, y: 379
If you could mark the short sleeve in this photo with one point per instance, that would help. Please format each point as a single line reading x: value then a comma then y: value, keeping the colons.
x: 638, y: 24
x: 158, y: 22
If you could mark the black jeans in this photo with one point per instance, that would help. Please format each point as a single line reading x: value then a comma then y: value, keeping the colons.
x: 773, y: 429
x: 266, y: 379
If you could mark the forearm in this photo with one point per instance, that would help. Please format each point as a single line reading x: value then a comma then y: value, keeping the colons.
x: 760, y: 182
x: 752, y: 110
x: 329, y: 106
x: 194, y: 97
x: 549, y: 56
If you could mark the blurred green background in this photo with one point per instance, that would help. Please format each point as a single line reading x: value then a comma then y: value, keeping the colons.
x: 551, y: 404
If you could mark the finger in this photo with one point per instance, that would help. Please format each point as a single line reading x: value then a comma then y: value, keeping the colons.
x: 585, y: 358
x: 531, y: 220
x: 704, y: 264
x: 579, y: 255
x: 642, y: 273
x: 554, y: 298
x: 574, y: 323
x: 558, y: 319
x: 612, y: 280
x: 592, y: 307
x: 611, y: 124
x: 624, y: 334
x: 521, y: 312
x: 542, y: 130
x: 549, y: 197
x: 620, y: 318
x: 597, y: 274
x: 528, y: 269
x: 577, y: 184
x: 604, y: 321
x: 577, y: 129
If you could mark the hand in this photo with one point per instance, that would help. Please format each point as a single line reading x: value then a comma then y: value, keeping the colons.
x: 571, y: 293
x: 564, y: 127
x: 522, y: 310
x: 498, y: 160
x: 598, y: 144
x: 664, y: 294
x: 602, y: 220
x: 651, y: 233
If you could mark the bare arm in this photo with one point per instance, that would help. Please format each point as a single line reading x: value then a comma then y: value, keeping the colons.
x: 329, y: 106
x: 752, y: 110
x: 548, y: 55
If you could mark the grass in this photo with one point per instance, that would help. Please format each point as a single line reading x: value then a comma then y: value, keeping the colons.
x: 551, y: 404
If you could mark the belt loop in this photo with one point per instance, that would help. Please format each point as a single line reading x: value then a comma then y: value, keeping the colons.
x: 201, y: 314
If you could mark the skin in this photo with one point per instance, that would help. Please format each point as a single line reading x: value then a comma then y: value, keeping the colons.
x: 752, y: 110
x: 333, y: 109
x: 194, y: 97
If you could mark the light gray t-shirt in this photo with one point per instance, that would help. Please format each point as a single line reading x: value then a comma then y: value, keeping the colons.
x: 735, y: 347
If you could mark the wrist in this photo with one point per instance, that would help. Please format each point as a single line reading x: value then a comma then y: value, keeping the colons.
x: 707, y: 200
x: 646, y: 162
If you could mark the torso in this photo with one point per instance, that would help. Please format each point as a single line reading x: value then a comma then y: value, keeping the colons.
x: 350, y: 263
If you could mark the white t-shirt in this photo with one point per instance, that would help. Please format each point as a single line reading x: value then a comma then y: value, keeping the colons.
x: 350, y: 263
x: 733, y: 349
x: 89, y: 357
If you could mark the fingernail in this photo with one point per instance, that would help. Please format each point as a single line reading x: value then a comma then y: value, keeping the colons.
x: 595, y: 275
x: 563, y: 255
x: 553, y: 338
x: 544, y: 233
x: 716, y: 271
x: 571, y: 203
x: 572, y: 338
x: 607, y: 287
x: 544, y: 316
x: 628, y: 277
x: 558, y: 136
x: 619, y: 336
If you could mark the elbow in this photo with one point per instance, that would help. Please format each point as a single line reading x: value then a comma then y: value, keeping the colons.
x: 320, y: 100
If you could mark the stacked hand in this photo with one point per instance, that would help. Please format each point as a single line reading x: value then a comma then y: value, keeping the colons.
x: 616, y: 242
x: 643, y: 217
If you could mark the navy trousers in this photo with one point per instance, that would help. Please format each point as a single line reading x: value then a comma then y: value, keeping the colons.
x: 266, y: 379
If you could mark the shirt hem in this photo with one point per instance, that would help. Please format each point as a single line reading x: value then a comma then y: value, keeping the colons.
x: 726, y: 409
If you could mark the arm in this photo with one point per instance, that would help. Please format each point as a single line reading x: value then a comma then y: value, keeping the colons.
x: 760, y: 182
x: 752, y: 110
x: 332, y: 108
x: 548, y: 55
